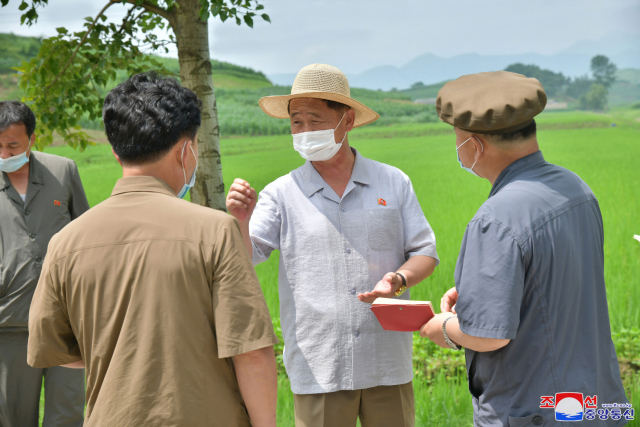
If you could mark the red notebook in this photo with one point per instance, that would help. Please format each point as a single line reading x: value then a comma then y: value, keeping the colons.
x: 402, y: 315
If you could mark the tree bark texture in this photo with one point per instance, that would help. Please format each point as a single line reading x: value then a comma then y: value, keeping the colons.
x: 192, y: 38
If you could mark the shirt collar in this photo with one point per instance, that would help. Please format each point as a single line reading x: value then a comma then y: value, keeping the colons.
x: 315, y: 183
x: 35, y: 172
x: 142, y: 184
x: 511, y: 172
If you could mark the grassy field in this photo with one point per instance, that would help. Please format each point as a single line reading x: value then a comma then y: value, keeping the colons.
x: 605, y: 156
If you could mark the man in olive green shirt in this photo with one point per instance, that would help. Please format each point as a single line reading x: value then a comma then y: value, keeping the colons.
x: 155, y: 295
x: 39, y: 195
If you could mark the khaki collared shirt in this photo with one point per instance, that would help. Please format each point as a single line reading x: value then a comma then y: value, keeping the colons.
x: 54, y: 198
x: 155, y: 294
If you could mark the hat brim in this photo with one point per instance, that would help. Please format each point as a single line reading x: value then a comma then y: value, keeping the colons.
x: 277, y: 106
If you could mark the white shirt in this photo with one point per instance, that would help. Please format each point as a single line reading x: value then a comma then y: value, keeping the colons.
x: 331, y: 250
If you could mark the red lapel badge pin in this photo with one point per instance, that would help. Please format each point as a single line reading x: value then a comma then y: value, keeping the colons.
x: 382, y: 202
x: 57, y: 203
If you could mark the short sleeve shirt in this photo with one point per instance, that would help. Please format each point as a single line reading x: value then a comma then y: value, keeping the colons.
x: 54, y: 198
x: 155, y: 294
x: 332, y: 249
x: 531, y: 269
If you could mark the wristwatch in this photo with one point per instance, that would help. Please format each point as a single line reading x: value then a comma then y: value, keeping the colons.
x: 402, y: 287
x: 446, y: 337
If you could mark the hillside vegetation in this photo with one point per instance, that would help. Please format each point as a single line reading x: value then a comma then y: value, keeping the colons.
x: 16, y: 49
x: 624, y: 91
x: 238, y: 90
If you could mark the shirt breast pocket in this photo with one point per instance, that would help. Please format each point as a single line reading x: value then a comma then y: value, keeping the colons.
x: 383, y: 228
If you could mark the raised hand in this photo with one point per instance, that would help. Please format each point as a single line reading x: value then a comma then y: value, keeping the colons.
x: 241, y: 200
x: 448, y: 301
x: 385, y: 288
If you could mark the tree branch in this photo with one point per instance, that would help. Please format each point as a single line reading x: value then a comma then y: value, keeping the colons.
x: 73, y: 55
x: 124, y: 21
x: 157, y: 10
x: 120, y: 30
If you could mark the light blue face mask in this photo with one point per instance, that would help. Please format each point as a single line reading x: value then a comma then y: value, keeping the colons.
x: 187, y: 186
x: 14, y: 163
x: 470, y: 170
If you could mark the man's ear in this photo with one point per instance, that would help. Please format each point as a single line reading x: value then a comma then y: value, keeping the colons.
x: 32, y: 140
x: 181, y: 149
x: 350, y: 118
x: 480, y: 143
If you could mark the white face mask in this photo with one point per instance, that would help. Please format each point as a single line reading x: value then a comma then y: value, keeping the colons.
x: 14, y: 163
x: 187, y: 185
x: 318, y: 145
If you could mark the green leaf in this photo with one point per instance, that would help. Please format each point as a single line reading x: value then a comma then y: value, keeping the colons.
x: 61, y: 30
x: 259, y: 7
x: 248, y: 20
x: 266, y: 18
x: 23, y: 5
x: 238, y: 21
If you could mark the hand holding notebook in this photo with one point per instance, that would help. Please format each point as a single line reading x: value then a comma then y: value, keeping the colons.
x: 402, y: 315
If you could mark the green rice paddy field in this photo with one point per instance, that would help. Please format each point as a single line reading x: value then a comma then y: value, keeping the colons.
x: 605, y: 156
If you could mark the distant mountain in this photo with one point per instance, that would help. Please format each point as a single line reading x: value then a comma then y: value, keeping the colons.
x: 622, y: 49
x: 615, y: 44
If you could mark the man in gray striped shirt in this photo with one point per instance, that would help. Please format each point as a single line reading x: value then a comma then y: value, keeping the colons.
x: 349, y: 230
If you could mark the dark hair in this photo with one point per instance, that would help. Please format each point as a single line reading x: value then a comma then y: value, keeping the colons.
x: 15, y: 112
x: 146, y: 116
x: 334, y: 105
x: 517, y: 135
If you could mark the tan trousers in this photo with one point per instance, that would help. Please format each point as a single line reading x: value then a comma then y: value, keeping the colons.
x: 382, y: 406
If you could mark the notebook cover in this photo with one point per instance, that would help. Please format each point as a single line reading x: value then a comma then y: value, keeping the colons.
x: 406, y: 318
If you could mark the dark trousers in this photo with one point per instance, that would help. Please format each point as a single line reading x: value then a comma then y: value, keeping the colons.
x: 21, y: 385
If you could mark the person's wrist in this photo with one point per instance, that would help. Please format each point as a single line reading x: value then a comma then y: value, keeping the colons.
x: 452, y: 344
x: 400, y: 283
x: 245, y: 222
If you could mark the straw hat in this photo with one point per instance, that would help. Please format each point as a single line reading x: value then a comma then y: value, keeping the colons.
x: 319, y: 81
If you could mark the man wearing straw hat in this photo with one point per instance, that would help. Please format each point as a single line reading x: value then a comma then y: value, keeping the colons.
x: 530, y: 293
x: 349, y: 230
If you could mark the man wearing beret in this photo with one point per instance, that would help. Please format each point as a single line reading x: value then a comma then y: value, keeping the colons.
x: 349, y: 230
x: 529, y: 304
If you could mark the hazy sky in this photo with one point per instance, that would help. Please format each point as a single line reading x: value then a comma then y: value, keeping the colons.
x: 356, y: 35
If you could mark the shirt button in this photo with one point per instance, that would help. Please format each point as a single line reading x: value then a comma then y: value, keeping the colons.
x: 343, y: 210
x: 38, y: 259
x: 33, y: 236
x: 348, y: 250
x: 353, y: 291
x: 357, y: 334
x: 27, y: 212
x: 537, y: 420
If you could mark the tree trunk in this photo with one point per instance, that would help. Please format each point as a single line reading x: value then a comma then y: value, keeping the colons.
x: 192, y: 39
